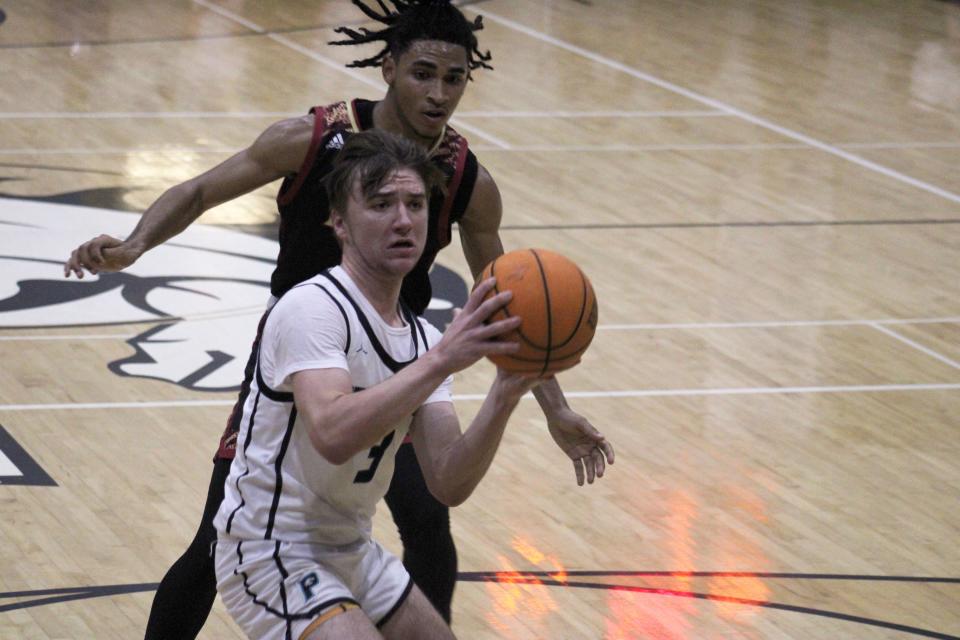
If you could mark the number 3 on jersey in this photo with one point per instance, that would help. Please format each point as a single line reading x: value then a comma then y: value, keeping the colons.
x: 376, y: 454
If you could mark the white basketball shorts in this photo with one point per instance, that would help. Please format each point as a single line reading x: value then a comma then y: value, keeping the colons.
x: 274, y: 590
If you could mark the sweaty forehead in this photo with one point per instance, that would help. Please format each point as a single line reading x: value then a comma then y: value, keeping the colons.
x: 437, y: 52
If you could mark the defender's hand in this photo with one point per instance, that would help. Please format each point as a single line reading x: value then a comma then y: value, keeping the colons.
x: 103, y: 253
x: 583, y: 444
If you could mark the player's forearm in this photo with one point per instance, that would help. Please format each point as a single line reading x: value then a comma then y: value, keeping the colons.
x: 466, y: 460
x: 354, y: 422
x: 172, y: 213
x: 550, y: 397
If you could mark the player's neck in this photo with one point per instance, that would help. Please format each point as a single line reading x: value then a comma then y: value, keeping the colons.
x: 387, y: 117
x: 381, y: 291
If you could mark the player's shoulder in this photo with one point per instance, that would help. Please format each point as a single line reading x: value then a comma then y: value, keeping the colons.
x: 285, y: 142
x: 300, y: 130
x: 289, y: 130
x: 316, y: 288
x: 313, y: 298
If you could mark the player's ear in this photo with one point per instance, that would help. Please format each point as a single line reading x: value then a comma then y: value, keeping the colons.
x: 389, y: 69
x: 339, y: 228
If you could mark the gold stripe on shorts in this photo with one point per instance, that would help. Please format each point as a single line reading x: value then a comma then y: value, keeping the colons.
x: 335, y: 610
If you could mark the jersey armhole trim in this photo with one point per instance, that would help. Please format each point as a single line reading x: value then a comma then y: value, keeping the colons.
x: 353, y: 115
x: 285, y: 197
x: 444, y: 223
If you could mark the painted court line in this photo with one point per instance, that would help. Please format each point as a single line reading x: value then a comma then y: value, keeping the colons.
x: 90, y: 151
x: 137, y: 115
x: 632, y: 393
x: 772, y: 324
x: 81, y: 406
x: 600, y: 113
x: 627, y: 147
x: 916, y: 345
x: 775, y: 324
x: 172, y: 115
x: 716, y: 104
x: 496, y: 147
x: 740, y: 391
x: 104, y: 336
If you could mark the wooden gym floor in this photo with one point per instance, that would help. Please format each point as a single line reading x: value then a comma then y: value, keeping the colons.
x: 765, y: 195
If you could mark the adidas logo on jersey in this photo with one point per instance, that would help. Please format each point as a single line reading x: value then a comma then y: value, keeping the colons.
x: 336, y: 142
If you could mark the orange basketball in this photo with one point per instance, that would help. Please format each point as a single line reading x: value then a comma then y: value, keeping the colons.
x: 557, y: 307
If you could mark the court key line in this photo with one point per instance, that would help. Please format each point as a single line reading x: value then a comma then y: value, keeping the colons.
x: 632, y: 393
x: 334, y: 64
x: 715, y: 104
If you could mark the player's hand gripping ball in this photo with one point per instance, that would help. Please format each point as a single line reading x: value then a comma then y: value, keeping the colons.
x: 557, y: 307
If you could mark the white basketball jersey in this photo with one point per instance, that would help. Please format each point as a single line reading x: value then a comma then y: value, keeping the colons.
x: 280, y: 487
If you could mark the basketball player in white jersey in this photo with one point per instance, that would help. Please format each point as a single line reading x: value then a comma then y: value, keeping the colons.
x: 344, y: 372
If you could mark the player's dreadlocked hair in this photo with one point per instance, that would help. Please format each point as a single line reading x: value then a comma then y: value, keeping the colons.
x: 416, y: 20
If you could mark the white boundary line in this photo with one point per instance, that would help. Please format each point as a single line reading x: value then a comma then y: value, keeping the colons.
x: 627, y: 148
x: 334, y: 64
x: 174, y: 115
x: 79, y: 406
x: 106, y: 336
x: 633, y: 393
x: 137, y: 115
x: 773, y: 324
x: 87, y: 151
x: 600, y: 113
x: 501, y: 147
x: 916, y: 345
x: 899, y: 145
x: 738, y: 391
x: 716, y: 104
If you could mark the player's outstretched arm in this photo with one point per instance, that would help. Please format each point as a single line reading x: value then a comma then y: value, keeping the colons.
x: 277, y: 152
x: 580, y: 440
x: 342, y: 424
x: 453, y: 463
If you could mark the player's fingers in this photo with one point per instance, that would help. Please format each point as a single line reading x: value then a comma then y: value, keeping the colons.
x: 73, y: 264
x: 478, y: 294
x: 607, y: 449
x: 588, y: 462
x: 494, y: 347
x: 578, y: 469
x: 83, y: 257
x: 490, y: 305
x: 598, y: 461
x: 498, y: 327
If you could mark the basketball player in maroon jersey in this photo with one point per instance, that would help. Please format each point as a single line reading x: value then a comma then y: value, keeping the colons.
x: 429, y: 52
